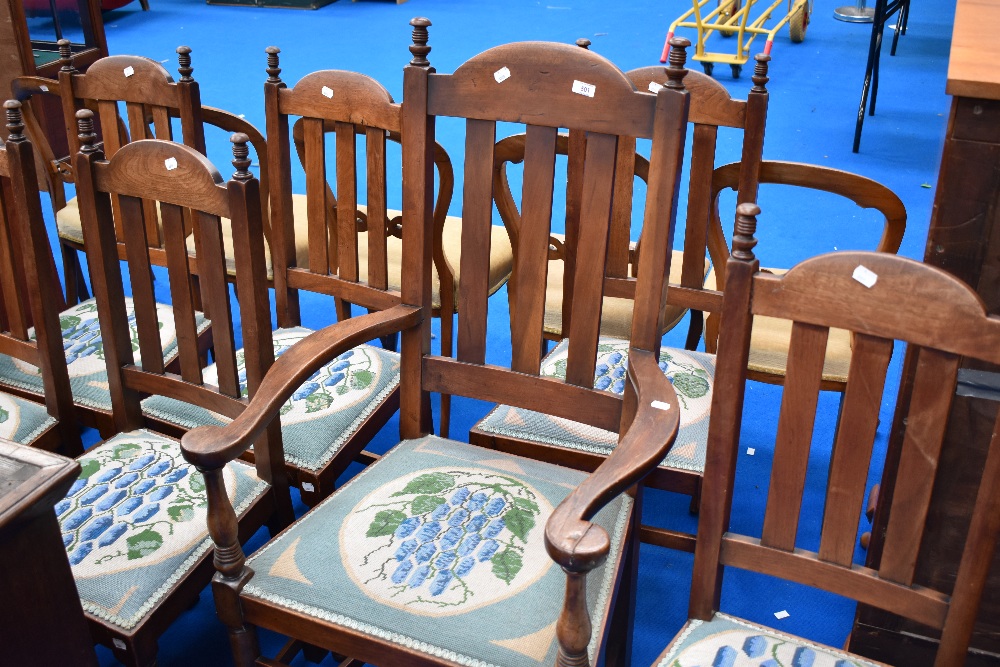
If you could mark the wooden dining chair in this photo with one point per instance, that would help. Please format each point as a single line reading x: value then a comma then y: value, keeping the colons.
x: 881, y: 298
x: 771, y: 337
x: 324, y: 104
x: 29, y: 313
x: 415, y: 559
x: 134, y: 523
x: 533, y: 434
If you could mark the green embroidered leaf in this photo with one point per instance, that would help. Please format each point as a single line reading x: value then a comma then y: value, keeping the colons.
x: 520, y: 522
x: 68, y: 322
x: 318, y: 401
x: 361, y: 379
x: 425, y: 504
x: 180, y: 513
x: 285, y: 409
x: 526, y: 504
x: 604, y: 347
x: 142, y: 544
x: 430, y: 483
x: 126, y: 450
x: 385, y: 523
x: 690, y: 385
x: 4, y: 415
x: 197, y: 483
x: 87, y: 308
x: 89, y: 468
x: 342, y: 389
x: 507, y: 564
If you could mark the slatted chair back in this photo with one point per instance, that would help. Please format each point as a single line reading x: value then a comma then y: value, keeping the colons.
x: 880, y: 298
x: 29, y: 314
x: 176, y: 178
x: 344, y: 254
x: 578, y: 90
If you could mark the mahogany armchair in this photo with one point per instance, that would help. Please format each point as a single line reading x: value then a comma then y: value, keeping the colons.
x: 398, y: 565
x: 880, y: 298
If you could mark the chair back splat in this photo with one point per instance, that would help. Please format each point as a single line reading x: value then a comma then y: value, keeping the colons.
x: 879, y: 298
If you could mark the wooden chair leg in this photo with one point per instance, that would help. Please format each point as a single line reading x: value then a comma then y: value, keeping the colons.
x: 137, y: 651
x: 619, y: 647
x: 447, y: 348
x: 73, y: 278
x: 242, y: 637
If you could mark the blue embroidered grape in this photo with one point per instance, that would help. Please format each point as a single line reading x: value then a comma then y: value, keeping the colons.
x: 426, y: 550
x: 477, y: 501
x: 306, y: 390
x: 346, y: 355
x: 755, y: 646
x: 618, y: 372
x: 459, y: 497
x: 126, y: 480
x: 76, y: 519
x: 146, y: 513
x: 615, y: 358
x: 419, y: 575
x: 112, y: 535
x: 476, y: 523
x: 771, y: 662
x: 618, y: 387
x: 495, y: 527
x: 129, y: 506
x: 161, y: 493
x: 409, y: 525
x: 445, y: 559
x: 107, y: 502
x: 142, y: 462
x: 844, y: 663
x: 399, y: 576
x: 459, y: 517
x: 107, y: 475
x: 159, y: 468
x: 339, y: 365
x: 96, y: 527
x: 144, y: 486
x: 495, y: 506
x: 62, y: 506
x: 725, y: 657
x: 440, y: 582
x: 405, y: 549
x: 489, y: 548
x: 465, y: 566
x: 469, y: 544
x: 81, y: 552
x: 440, y: 512
x: 67, y: 539
x: 804, y: 657
x: 429, y: 531
x: 451, y: 537
x: 602, y: 382
x: 334, y: 379
x: 176, y: 476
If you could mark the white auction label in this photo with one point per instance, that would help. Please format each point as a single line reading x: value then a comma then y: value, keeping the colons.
x: 44, y: 88
x: 129, y: 71
x: 654, y: 87
x: 170, y: 163
x: 501, y: 74
x: 865, y: 276
x: 581, y: 88
x: 660, y: 405
x: 327, y: 92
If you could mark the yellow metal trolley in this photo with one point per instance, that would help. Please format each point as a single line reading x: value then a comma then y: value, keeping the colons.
x: 731, y: 17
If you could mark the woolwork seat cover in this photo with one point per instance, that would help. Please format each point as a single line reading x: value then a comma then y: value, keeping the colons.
x: 21, y: 420
x: 88, y: 374
x: 134, y: 522
x: 726, y: 641
x: 439, y: 547
x: 771, y: 337
x: 325, y: 411
x: 692, y: 374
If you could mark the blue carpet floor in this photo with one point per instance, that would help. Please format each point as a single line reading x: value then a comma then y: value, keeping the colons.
x: 815, y: 87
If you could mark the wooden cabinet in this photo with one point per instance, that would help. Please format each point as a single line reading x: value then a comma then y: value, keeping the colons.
x: 964, y: 239
x: 41, y: 620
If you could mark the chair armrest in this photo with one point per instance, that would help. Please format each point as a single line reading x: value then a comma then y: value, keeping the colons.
x: 570, y: 538
x: 211, y: 447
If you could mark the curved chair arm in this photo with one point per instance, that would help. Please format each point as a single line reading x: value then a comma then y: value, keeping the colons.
x: 211, y: 447
x: 863, y: 191
x: 571, y: 539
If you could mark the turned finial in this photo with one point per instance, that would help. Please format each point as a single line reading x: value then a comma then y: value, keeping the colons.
x: 746, y: 227
x: 583, y: 43
x: 65, y: 56
x: 678, y: 57
x: 241, y: 157
x: 272, y: 64
x: 760, y: 77
x: 419, y: 48
x: 184, y: 63
x: 15, y: 123
x: 85, y: 129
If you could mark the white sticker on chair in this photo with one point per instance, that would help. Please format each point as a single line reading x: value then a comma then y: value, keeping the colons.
x: 660, y: 405
x: 119, y: 644
x: 654, y: 87
x: 327, y: 92
x: 44, y: 88
x: 129, y: 71
x: 751, y: 451
x: 581, y: 88
x: 865, y: 276
x: 306, y: 486
x: 501, y: 74
x: 170, y: 163
x: 781, y: 614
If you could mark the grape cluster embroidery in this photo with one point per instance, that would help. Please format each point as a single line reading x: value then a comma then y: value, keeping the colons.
x: 131, y: 505
x: 737, y: 649
x: 448, y: 540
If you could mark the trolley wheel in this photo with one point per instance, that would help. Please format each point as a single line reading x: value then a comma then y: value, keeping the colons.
x: 729, y: 7
x: 708, y: 67
x: 737, y: 70
x: 798, y: 23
